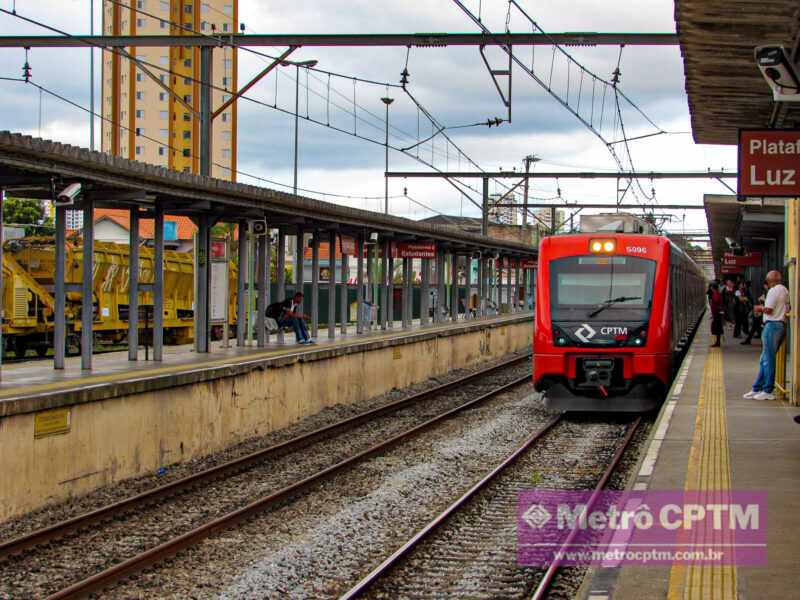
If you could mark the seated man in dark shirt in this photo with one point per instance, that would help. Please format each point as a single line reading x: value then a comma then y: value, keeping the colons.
x: 287, y: 314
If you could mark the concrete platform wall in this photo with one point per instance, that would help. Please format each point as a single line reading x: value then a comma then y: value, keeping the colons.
x: 129, y: 435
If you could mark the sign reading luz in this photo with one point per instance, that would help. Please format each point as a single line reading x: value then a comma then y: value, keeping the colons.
x: 769, y: 162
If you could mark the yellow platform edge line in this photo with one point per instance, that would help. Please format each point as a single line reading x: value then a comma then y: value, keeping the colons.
x: 709, y: 468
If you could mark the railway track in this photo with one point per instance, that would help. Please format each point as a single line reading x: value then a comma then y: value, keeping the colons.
x: 38, y: 555
x: 469, y: 549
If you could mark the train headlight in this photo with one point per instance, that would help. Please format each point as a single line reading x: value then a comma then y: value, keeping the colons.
x: 602, y: 246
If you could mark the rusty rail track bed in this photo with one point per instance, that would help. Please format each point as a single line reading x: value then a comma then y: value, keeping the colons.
x: 469, y: 549
x: 92, y: 551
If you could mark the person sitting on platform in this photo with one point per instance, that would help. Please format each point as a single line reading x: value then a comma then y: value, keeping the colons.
x: 775, y: 308
x: 287, y: 314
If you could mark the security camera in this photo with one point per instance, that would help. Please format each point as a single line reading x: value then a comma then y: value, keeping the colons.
x: 69, y: 194
x: 779, y: 72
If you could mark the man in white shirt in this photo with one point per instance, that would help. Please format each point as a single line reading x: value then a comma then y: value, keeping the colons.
x: 776, y: 305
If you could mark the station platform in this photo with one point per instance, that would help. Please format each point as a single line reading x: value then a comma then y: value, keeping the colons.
x: 708, y: 437
x: 67, y: 432
x: 34, y: 385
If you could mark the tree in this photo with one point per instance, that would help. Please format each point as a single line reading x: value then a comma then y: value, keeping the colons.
x: 22, y: 211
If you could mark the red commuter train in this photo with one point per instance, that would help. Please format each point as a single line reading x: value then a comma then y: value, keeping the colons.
x: 614, y: 311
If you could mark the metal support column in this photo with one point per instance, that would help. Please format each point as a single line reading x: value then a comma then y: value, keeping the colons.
x: 315, y: 285
x: 298, y: 265
x: 241, y: 300
x: 205, y: 109
x: 344, y: 308
x: 2, y: 202
x: 332, y: 285
x: 87, y: 289
x: 262, y: 259
x: 281, y: 262
x: 499, y: 278
x: 158, y: 284
x: 516, y: 286
x: 438, y: 315
x: 60, y: 317
x: 481, y: 312
x: 202, y: 280
x: 360, y: 284
x: 485, y: 208
x: 526, y: 291
x: 468, y: 285
x: 133, y: 285
x: 406, y: 311
x: 267, y: 278
x: 454, y: 287
x: 385, y: 285
x: 369, y: 291
x: 424, y: 292
x: 390, y: 291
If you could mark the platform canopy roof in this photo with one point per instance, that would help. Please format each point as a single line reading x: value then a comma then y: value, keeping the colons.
x: 755, y: 224
x: 725, y: 88
x: 29, y: 167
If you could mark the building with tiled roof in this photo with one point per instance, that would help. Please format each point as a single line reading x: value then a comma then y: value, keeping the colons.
x: 114, y: 224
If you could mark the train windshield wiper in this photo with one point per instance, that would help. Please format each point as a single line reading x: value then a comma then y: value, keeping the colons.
x: 610, y: 302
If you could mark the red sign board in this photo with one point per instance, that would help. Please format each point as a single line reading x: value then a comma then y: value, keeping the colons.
x: 768, y: 162
x: 416, y: 249
x: 348, y: 245
x: 730, y: 270
x: 527, y: 263
x: 219, y: 250
x: 751, y: 259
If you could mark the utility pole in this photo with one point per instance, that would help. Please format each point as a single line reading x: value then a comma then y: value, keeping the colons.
x: 531, y: 158
x: 91, y: 78
x: 297, y: 65
x: 296, y: 125
x: 485, y: 209
x: 387, y: 101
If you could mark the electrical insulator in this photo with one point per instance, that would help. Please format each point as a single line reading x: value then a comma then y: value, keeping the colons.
x: 404, y: 77
x: 26, y: 71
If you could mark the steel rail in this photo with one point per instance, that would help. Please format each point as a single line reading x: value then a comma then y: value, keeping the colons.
x: 167, y: 549
x: 422, y: 40
x: 362, y: 586
x: 379, y: 571
x: 544, y: 584
x: 232, y: 467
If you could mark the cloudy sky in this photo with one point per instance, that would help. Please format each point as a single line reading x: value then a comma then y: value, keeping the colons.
x: 451, y: 83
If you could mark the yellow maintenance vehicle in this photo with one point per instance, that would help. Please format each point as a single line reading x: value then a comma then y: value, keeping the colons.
x: 29, y: 290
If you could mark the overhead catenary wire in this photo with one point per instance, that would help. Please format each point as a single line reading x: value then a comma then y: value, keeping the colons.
x: 78, y: 106
x: 243, y: 97
x: 222, y: 40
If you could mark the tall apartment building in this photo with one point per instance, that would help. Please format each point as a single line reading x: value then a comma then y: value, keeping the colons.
x: 504, y: 215
x: 138, y: 106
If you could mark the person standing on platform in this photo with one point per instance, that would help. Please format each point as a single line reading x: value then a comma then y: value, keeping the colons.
x: 775, y: 309
x: 741, y: 310
x: 756, y: 322
x: 717, y: 311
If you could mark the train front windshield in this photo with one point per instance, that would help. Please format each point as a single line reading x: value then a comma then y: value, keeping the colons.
x: 579, y: 285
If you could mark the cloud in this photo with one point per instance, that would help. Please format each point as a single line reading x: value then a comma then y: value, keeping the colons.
x: 452, y: 82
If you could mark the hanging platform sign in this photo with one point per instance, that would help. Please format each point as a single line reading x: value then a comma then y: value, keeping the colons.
x: 416, y: 249
x: 751, y: 259
x: 527, y: 263
x: 347, y: 245
x: 769, y: 162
